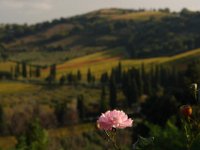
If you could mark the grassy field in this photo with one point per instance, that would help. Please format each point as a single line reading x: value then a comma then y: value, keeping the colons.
x: 6, y: 66
x: 16, y: 87
x: 140, y: 16
x: 10, y: 141
x: 104, y: 61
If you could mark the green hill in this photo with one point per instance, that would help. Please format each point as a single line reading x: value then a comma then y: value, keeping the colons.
x: 140, y: 33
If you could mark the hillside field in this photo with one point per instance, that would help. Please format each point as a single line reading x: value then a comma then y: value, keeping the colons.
x: 104, y: 61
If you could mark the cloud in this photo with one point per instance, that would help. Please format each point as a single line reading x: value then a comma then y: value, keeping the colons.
x: 27, y: 4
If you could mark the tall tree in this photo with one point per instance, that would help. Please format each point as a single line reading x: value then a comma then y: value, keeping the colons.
x: 2, y: 121
x: 17, y: 70
x: 62, y: 80
x: 89, y: 76
x: 24, y: 70
x: 35, y: 138
x: 38, y: 71
x: 103, y: 103
x: 81, y: 107
x: 113, y: 93
x: 79, y: 76
x: 53, y: 72
x: 60, y: 110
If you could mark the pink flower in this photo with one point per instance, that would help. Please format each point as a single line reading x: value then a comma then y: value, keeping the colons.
x: 114, y: 119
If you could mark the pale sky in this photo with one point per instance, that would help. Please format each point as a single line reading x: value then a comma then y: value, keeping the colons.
x: 33, y: 11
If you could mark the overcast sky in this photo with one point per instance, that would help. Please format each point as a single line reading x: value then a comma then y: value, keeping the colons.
x: 32, y: 11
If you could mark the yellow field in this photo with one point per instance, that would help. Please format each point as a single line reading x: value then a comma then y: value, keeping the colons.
x: 6, y: 66
x: 140, y: 15
x: 10, y: 141
x: 7, y: 142
x: 98, y: 63
x: 15, y: 87
x: 71, y: 130
x: 104, y: 61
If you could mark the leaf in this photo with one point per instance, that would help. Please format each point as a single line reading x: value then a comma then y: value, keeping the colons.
x: 142, y: 143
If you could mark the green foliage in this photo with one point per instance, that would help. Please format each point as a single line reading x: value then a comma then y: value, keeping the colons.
x: 2, y: 121
x: 175, y: 33
x: 103, y: 103
x: 143, y: 143
x: 52, y: 73
x: 79, y: 76
x: 89, y: 76
x: 168, y: 137
x: 62, y: 80
x: 81, y: 106
x: 158, y: 109
x: 24, y: 69
x: 35, y: 138
x: 112, y: 92
x: 60, y: 110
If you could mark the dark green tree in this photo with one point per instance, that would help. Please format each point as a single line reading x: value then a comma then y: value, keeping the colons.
x: 53, y: 72
x: 38, y: 72
x: 79, y: 76
x: 89, y: 76
x: 81, y: 107
x: 113, y: 92
x: 103, y: 102
x: 17, y: 70
x: 24, y: 70
x: 35, y: 138
x: 104, y: 78
x: 60, y: 110
x: 62, y: 80
x: 2, y: 121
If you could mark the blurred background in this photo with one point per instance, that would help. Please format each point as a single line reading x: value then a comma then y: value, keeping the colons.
x: 64, y: 62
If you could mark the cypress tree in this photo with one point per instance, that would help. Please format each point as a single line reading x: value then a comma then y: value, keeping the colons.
x: 60, y: 110
x: 2, y: 123
x: 103, y: 104
x: 70, y: 78
x: 35, y: 138
x: 53, y: 72
x: 135, y: 92
x: 119, y: 73
x: 157, y: 76
x: 81, y: 107
x: 62, y: 80
x: 140, y: 83
x: 38, y: 71
x: 113, y: 92
x: 79, y: 76
x: 89, y: 76
x: 30, y: 71
x: 104, y: 78
x: 12, y: 72
x: 17, y: 70
x: 24, y: 69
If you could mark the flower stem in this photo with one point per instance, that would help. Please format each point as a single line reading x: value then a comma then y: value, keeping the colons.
x: 112, y: 140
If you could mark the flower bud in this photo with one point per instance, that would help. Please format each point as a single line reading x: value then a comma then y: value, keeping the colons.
x: 186, y: 110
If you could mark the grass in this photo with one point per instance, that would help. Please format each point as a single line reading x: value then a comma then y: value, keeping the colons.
x: 104, y: 62
x: 71, y: 130
x: 15, y: 87
x: 6, y: 66
x: 98, y: 63
x: 10, y: 141
x: 7, y: 142
x: 140, y: 16
x: 56, y: 57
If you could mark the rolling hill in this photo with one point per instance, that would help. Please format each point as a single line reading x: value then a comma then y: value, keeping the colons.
x: 139, y: 33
